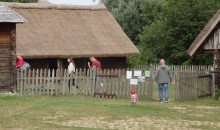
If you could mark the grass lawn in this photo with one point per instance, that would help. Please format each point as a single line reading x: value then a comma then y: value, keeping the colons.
x: 88, y: 113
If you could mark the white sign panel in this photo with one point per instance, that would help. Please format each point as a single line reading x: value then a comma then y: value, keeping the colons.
x: 141, y: 79
x: 133, y: 81
x: 137, y: 73
x: 129, y: 74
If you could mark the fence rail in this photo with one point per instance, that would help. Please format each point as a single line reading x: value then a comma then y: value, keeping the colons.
x: 175, y: 68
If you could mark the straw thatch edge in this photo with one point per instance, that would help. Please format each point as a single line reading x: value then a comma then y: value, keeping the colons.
x: 79, y: 56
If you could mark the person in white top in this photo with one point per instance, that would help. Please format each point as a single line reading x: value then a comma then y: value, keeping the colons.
x: 71, y: 66
x: 71, y: 71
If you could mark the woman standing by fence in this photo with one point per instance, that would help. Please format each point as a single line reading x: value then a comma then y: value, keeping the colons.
x: 71, y: 72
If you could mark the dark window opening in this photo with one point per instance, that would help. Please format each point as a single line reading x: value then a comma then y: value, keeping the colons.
x: 53, y: 66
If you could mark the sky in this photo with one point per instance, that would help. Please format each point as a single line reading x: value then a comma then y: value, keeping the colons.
x: 75, y: 2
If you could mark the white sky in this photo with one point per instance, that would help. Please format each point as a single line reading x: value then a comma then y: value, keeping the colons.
x: 75, y: 2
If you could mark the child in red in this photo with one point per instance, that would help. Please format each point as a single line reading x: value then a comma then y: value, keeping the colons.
x: 133, y: 97
x: 20, y: 61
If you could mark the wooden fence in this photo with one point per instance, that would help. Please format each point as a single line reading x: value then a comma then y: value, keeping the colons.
x: 110, y: 82
x: 192, y: 85
x: 191, y: 82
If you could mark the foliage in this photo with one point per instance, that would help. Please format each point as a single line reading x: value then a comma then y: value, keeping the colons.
x: 133, y: 15
x: 217, y: 93
x: 21, y: 1
x: 111, y: 4
x: 179, y: 24
x: 129, y: 16
x: 164, y: 28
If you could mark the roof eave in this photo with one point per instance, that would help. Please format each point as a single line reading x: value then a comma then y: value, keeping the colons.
x: 78, y: 56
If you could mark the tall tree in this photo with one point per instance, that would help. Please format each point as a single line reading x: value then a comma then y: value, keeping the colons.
x: 133, y: 16
x: 111, y: 4
x: 129, y: 16
x: 177, y: 26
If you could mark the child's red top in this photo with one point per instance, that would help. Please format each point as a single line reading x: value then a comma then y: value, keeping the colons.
x: 132, y: 92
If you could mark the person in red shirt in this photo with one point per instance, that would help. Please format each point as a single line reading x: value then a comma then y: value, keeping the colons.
x: 94, y: 63
x: 20, y: 61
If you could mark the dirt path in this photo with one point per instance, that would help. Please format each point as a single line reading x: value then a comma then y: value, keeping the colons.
x: 138, y: 124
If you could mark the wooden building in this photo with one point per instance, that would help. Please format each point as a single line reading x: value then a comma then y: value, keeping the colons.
x: 56, y: 32
x: 208, y: 41
x: 8, y: 20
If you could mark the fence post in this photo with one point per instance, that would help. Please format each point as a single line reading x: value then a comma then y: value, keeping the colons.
x: 56, y: 81
x: 212, y: 82
x: 177, y: 74
x: 65, y: 80
x: 150, y: 83
x: 52, y: 82
x: 93, y: 77
x: 18, y: 82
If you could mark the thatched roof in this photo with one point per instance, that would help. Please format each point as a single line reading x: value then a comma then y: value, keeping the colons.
x: 9, y: 16
x: 79, y: 31
x: 204, y: 34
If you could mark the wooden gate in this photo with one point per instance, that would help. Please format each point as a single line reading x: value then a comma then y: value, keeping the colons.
x: 192, y: 85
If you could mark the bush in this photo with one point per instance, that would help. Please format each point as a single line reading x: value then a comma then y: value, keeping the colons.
x: 217, y: 93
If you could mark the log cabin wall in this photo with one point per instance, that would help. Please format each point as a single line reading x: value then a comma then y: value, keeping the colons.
x: 7, y: 57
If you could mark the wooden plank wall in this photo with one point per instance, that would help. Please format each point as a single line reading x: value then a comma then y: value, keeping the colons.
x: 213, y: 45
x: 217, y: 69
x: 7, y: 57
x: 214, y: 40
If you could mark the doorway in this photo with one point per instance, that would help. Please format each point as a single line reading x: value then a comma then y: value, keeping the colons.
x: 53, y: 66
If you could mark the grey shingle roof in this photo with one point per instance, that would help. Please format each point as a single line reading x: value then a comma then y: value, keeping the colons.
x: 9, y: 16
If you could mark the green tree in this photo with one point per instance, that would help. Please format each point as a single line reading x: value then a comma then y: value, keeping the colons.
x: 111, y: 4
x: 148, y: 46
x: 129, y: 16
x: 177, y: 26
x: 133, y: 16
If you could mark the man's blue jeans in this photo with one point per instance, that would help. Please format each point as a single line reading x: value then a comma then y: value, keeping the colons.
x: 163, y: 86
